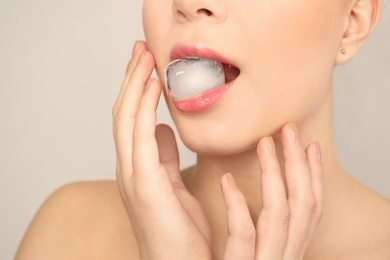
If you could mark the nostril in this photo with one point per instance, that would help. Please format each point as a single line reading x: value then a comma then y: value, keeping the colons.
x: 204, y: 11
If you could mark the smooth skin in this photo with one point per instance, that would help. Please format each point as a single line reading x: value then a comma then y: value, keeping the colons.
x: 152, y: 182
x: 271, y: 193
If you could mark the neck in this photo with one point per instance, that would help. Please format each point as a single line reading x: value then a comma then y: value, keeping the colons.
x: 204, y: 181
x: 245, y: 167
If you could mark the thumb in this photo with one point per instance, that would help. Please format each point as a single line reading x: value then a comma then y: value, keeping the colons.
x: 168, y: 153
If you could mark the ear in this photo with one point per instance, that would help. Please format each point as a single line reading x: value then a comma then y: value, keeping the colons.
x: 363, y: 16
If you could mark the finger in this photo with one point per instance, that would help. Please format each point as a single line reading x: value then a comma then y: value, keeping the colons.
x: 273, y: 221
x: 136, y: 84
x: 125, y: 118
x: 313, y: 153
x: 145, y: 153
x: 242, y: 234
x: 169, y: 158
x: 315, y: 164
x: 301, y: 199
x: 168, y: 154
x: 138, y: 47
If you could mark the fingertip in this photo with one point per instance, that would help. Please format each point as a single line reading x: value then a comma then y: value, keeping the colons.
x: 143, y: 45
x: 138, y: 46
x: 264, y: 143
x: 317, y: 151
x: 145, y: 58
x: 230, y: 180
x: 165, y: 136
x: 233, y: 197
x: 153, y: 85
x: 266, y: 153
x: 135, y: 47
x: 164, y: 129
x: 227, y: 186
x: 313, y: 152
x: 293, y: 148
x: 290, y: 131
x: 224, y: 182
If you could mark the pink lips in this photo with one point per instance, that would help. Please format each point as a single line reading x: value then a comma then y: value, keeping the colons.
x: 203, y: 101
x: 210, y: 98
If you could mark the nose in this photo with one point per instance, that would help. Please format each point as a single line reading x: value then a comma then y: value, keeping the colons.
x: 196, y: 10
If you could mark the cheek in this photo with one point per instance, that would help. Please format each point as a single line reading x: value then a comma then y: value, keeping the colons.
x: 294, y: 58
x: 156, y: 27
x: 293, y: 34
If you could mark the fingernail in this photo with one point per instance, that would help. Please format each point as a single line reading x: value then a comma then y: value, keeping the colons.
x: 270, y: 144
x: 230, y: 179
x: 317, y: 151
x: 135, y: 47
x: 292, y: 132
x: 140, y: 56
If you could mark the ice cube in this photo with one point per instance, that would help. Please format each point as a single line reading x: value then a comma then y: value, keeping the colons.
x: 189, y: 77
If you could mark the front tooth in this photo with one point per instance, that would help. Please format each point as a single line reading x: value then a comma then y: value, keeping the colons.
x: 187, y: 78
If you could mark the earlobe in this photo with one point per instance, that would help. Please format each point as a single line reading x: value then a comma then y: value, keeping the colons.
x: 363, y: 18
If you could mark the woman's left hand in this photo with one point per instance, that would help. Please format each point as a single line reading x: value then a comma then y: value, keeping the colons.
x: 290, y: 213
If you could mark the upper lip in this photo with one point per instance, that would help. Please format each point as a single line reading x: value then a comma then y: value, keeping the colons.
x: 196, y: 50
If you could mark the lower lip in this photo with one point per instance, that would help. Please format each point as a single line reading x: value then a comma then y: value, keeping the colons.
x: 204, y: 101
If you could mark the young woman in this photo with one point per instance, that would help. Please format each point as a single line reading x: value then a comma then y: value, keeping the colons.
x: 267, y: 183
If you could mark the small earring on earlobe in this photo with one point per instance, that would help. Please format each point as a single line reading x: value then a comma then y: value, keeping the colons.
x: 343, y: 51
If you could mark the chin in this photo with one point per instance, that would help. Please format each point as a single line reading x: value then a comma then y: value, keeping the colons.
x: 216, y: 139
x: 216, y: 146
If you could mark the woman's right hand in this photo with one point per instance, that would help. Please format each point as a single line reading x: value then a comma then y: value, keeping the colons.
x: 167, y: 221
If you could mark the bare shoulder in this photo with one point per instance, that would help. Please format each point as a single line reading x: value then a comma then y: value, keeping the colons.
x: 380, y: 225
x: 359, y: 229
x: 84, y: 220
x: 371, y: 226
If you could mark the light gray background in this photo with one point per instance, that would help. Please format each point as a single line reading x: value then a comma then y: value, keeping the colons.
x: 61, y: 66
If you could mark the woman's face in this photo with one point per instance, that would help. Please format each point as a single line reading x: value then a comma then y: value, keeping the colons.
x: 284, y: 49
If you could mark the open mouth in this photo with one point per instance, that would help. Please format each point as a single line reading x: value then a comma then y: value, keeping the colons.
x: 231, y: 72
x: 190, y: 77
